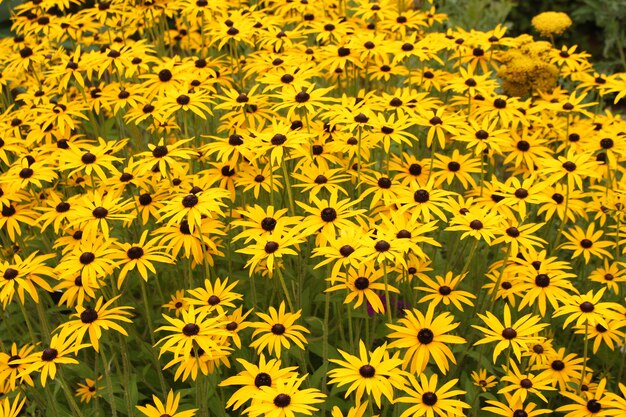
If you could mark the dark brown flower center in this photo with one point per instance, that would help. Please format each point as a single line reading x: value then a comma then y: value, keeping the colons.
x: 509, y: 333
x: 278, y: 329
x: 191, y: 329
x: 367, y: 371
x: 425, y: 336
x: 262, y: 380
x: 89, y: 315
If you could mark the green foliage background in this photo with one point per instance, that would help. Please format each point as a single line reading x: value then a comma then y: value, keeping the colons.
x: 599, y: 25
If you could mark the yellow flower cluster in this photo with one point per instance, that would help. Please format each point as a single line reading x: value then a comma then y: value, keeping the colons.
x: 526, y: 67
x: 551, y: 23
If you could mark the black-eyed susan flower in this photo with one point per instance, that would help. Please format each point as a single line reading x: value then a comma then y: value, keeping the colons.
x: 92, y: 320
x: 581, y: 406
x: 483, y: 380
x: 356, y: 411
x: 422, y: 336
x: 373, y: 373
x: 266, y: 374
x: 477, y: 222
x: 562, y: 369
x: 60, y: 351
x: 587, y: 242
x: 514, y: 407
x: 507, y: 334
x: 277, y: 331
x: 88, y: 390
x: 194, y: 329
x: 362, y: 283
x: 215, y: 296
x: 11, y: 371
x: 11, y: 407
x: 522, y: 384
x: 139, y: 256
x: 425, y: 398
x: 443, y: 289
x: 587, y: 309
x: 285, y: 399
x: 24, y: 276
x: 170, y: 408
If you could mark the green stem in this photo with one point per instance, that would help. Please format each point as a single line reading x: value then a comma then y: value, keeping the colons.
x: 107, y: 378
x: 281, y: 278
x: 387, y: 298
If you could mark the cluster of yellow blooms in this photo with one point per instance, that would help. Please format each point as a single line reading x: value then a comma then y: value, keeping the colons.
x: 280, y: 208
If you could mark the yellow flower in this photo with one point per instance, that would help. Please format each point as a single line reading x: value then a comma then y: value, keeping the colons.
x: 551, y: 23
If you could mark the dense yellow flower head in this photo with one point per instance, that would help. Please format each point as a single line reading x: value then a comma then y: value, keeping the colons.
x: 551, y: 23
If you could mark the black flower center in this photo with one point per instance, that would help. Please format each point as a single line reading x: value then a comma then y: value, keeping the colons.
x: 268, y: 224
x: 367, y: 371
x: 278, y: 139
x: 361, y: 118
x: 435, y: 121
x: 476, y: 224
x: 262, y: 380
x: 232, y: 326
x: 361, y: 283
x: 320, y: 179
x: 558, y: 198
x: 425, y: 336
x: 509, y: 333
x: 523, y: 145
x: 609, y: 277
x: 594, y: 406
x: 569, y: 166
x: 13, y: 358
x: 445, y: 290
x: 10, y: 273
x: 165, y: 75
x: 421, y: 196
x: 145, y: 199
x: 521, y: 193
x: 542, y: 280
x: 587, y: 307
x: 134, y: 252
x: 191, y: 329
x: 384, y: 182
x: 49, y: 354
x: 526, y: 383
x: 159, y: 151
x: 190, y: 200
x: 415, y: 170
x: 454, y: 166
x: 346, y: 250
x: 125, y: 177
x: 302, y: 97
x: 520, y: 413
x: 403, y: 234
x: 586, y: 243
x: 282, y: 400
x: 271, y: 247
x: 100, y: 212
x: 278, y: 329
x: 382, y: 246
x: 86, y: 258
x: 329, y: 214
x: 513, y: 232
x: 26, y: 173
x: 557, y: 365
x: 183, y: 100
x: 89, y: 315
x: 499, y: 103
x: 429, y: 398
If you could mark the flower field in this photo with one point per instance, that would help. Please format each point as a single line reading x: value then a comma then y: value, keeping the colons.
x: 312, y: 207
